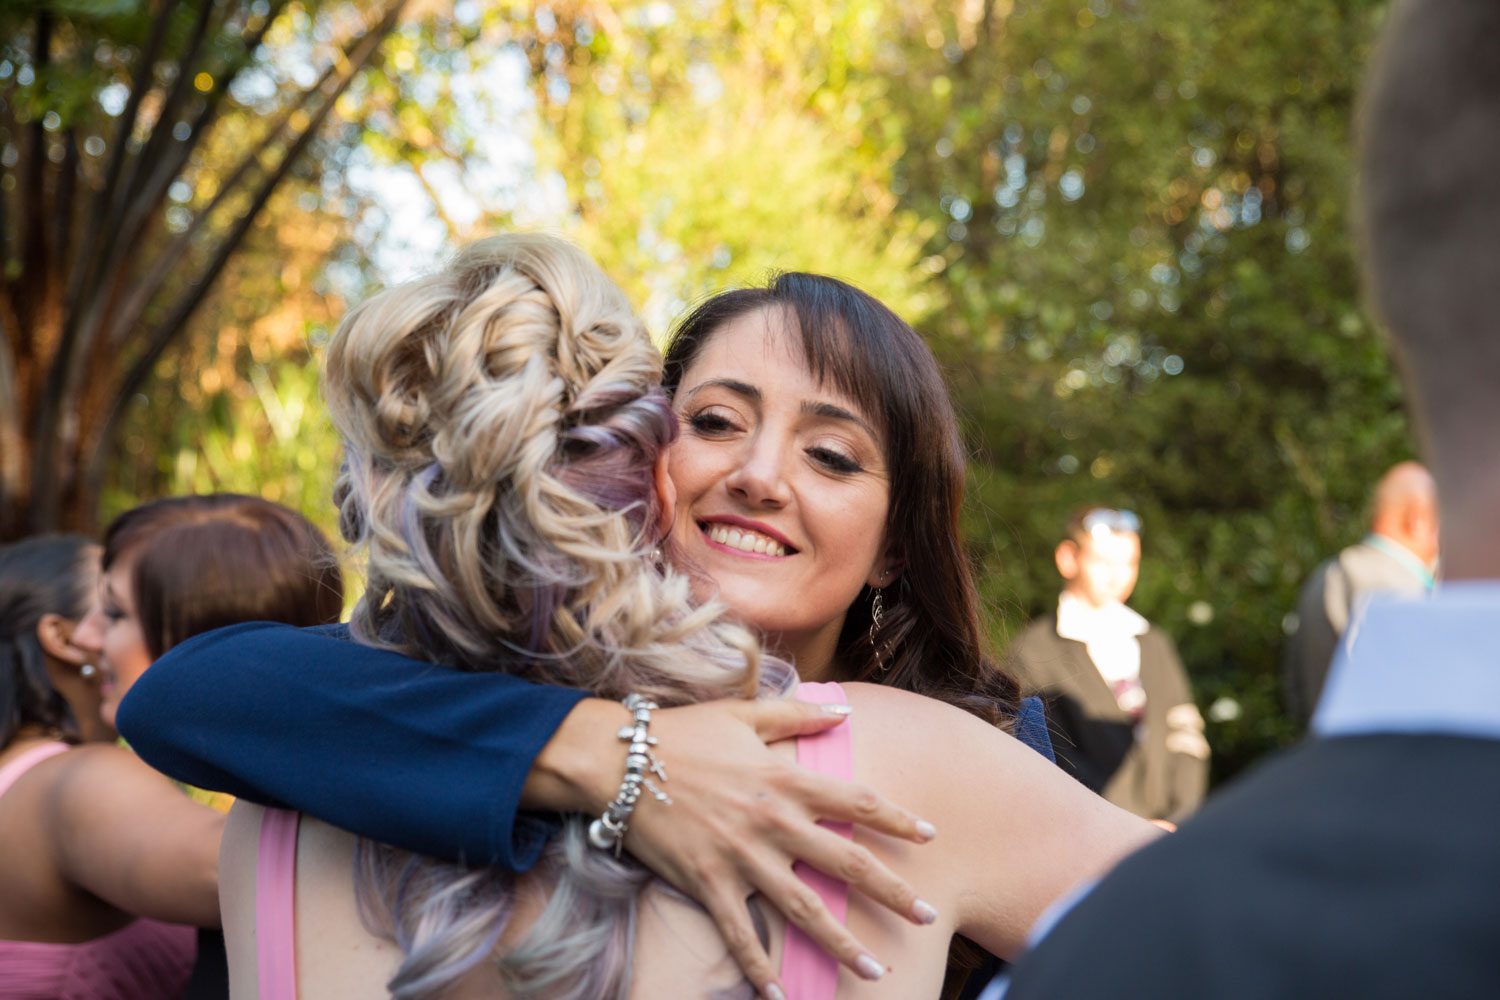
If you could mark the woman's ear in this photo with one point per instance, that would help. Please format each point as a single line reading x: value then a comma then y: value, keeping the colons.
x: 666, y: 495
x: 887, y: 568
x: 55, y: 633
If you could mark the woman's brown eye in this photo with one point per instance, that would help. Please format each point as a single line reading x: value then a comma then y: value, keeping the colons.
x: 709, y: 423
x: 834, y: 460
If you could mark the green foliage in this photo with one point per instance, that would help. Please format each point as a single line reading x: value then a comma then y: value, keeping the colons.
x: 267, y: 435
x: 1155, y: 305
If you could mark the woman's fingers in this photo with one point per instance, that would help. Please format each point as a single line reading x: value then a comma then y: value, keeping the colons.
x: 846, y: 802
x: 732, y: 915
x: 825, y: 797
x: 805, y: 908
x: 855, y: 865
x: 785, y: 718
x: 741, y: 815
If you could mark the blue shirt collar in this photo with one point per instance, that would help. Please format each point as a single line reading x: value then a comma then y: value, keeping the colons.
x: 1419, y: 665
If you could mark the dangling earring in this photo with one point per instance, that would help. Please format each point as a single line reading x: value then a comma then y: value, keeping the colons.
x: 877, y: 617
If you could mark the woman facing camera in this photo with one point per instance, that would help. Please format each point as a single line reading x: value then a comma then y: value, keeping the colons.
x: 508, y: 483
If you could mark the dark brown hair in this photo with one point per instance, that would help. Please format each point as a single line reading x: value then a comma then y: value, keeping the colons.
x: 1429, y: 204
x: 932, y: 640
x: 51, y: 574
x: 203, y: 562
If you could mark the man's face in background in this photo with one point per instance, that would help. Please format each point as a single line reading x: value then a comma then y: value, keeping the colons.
x: 1101, y: 566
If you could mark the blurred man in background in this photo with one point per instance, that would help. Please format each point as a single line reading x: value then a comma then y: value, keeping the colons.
x: 1396, y: 557
x: 1119, y: 707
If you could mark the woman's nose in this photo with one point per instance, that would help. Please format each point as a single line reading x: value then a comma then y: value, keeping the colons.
x: 760, y: 479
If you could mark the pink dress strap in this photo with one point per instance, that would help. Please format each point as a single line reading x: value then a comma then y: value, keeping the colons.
x: 11, y: 773
x: 807, y: 971
x: 144, y: 960
x: 275, y: 905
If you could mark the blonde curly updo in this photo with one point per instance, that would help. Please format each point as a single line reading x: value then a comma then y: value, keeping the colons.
x: 502, y: 421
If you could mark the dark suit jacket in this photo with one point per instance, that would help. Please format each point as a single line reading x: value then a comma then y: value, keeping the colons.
x: 1095, y: 740
x: 1329, y: 598
x: 1362, y: 866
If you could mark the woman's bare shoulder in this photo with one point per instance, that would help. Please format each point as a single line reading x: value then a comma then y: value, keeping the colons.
x: 103, y: 777
x: 1014, y: 830
x: 923, y: 734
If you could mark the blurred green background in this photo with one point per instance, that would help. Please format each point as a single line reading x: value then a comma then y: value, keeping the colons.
x: 1123, y: 226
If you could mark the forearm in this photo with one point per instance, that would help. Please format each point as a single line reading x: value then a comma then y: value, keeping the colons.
x: 127, y: 835
x: 427, y: 758
x: 579, y: 768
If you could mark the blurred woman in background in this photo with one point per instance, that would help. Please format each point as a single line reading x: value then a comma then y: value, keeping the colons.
x: 109, y: 867
x: 93, y: 837
x: 46, y: 680
x: 176, y: 567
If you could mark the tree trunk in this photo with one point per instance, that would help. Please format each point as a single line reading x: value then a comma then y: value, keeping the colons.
x: 85, y: 322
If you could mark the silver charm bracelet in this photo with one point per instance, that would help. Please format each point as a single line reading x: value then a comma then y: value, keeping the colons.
x: 608, y: 831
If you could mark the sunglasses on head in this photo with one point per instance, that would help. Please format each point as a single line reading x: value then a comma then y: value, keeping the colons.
x: 1106, y: 519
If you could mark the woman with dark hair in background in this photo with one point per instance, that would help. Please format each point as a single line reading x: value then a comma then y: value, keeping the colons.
x: 95, y: 838
x: 49, y: 683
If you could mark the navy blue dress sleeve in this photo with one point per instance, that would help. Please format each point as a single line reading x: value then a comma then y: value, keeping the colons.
x: 1031, y: 727
x: 427, y: 758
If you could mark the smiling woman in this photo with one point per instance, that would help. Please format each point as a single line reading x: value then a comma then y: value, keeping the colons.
x: 797, y: 401
x: 781, y: 489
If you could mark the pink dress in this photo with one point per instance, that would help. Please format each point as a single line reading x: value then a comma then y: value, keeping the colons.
x: 807, y: 972
x: 144, y: 960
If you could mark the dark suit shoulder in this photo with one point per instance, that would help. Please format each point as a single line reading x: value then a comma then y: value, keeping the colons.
x: 1291, y: 879
x: 1038, y: 656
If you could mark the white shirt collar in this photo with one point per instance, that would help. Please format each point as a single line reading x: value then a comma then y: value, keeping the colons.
x: 1080, y: 621
x: 1418, y: 665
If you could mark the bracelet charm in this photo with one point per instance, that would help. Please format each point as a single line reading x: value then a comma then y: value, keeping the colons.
x: 608, y: 831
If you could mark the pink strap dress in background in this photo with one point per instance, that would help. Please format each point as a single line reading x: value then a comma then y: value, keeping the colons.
x: 144, y: 960
x: 807, y: 971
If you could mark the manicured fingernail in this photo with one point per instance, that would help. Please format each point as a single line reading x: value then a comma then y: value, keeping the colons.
x: 925, y: 830
x: 866, y: 966
x: 773, y: 992
x: 840, y: 710
x: 924, y: 912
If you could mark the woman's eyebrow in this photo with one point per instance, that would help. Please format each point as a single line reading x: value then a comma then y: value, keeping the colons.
x: 831, y: 412
x: 735, y: 386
